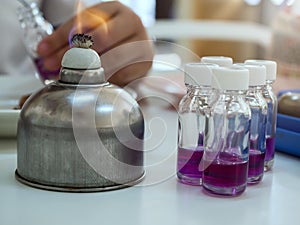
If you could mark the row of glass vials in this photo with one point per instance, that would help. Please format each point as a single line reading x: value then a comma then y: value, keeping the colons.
x: 227, y: 122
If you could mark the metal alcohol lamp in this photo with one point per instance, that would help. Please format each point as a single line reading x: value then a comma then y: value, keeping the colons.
x: 80, y: 133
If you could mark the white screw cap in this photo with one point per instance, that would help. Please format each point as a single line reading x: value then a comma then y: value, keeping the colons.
x: 219, y: 60
x: 257, y: 74
x: 199, y: 74
x: 230, y: 78
x: 271, y: 67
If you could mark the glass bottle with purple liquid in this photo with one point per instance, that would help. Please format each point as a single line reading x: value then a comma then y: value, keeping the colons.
x: 271, y: 99
x: 192, y: 119
x: 35, y: 27
x: 226, y: 143
x: 259, y: 110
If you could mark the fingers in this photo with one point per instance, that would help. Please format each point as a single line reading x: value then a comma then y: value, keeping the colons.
x: 128, y: 61
x: 130, y: 73
x: 124, y: 26
x: 53, y: 61
x: 85, y: 21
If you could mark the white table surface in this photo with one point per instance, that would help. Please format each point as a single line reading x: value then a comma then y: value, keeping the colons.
x: 160, y: 198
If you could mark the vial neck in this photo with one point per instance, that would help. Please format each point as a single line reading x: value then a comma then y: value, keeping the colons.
x: 269, y: 83
x: 198, y: 90
x: 269, y: 86
x: 230, y: 95
x: 255, y: 89
x: 233, y: 93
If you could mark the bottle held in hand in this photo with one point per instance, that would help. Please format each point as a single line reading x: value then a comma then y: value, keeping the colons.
x: 35, y: 28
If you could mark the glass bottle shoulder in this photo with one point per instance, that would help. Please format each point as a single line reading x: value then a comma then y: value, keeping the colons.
x: 231, y: 105
x: 255, y: 99
x: 195, y: 100
x: 269, y: 94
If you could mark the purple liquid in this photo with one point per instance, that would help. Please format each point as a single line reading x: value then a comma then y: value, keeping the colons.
x: 188, y: 165
x: 43, y: 72
x: 270, y: 148
x: 226, y: 175
x: 256, y: 166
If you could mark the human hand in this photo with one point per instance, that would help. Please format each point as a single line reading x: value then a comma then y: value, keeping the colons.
x: 119, y: 37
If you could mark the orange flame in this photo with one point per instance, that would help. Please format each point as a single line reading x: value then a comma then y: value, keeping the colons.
x: 88, y: 19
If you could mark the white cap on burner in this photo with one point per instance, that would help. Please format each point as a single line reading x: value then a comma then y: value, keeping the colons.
x: 81, y: 58
x: 81, y: 64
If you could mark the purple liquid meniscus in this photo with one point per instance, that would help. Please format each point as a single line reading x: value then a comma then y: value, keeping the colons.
x: 45, y: 74
x: 188, y: 165
x: 256, y: 166
x: 226, y: 175
x: 270, y: 148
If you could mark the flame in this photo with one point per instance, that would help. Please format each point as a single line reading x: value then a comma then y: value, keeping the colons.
x: 88, y: 19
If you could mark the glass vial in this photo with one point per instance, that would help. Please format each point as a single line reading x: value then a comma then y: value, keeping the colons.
x: 259, y: 110
x: 272, y: 103
x: 191, y: 119
x: 226, y: 151
x: 35, y: 27
x: 223, y: 61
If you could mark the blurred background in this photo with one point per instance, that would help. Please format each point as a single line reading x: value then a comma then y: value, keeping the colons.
x: 257, y: 11
x: 241, y: 29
